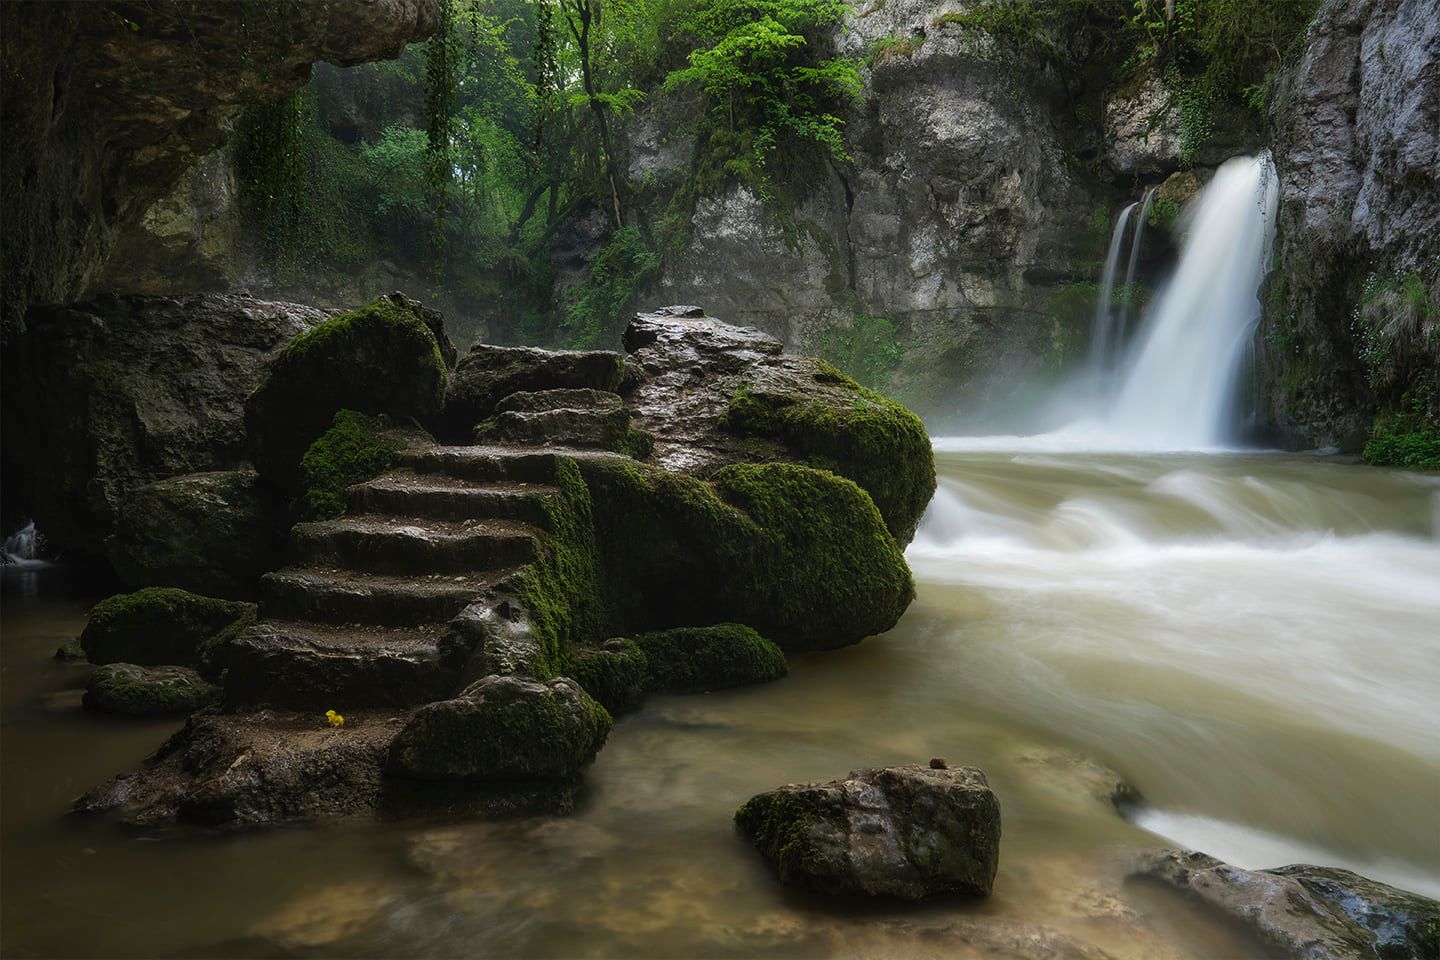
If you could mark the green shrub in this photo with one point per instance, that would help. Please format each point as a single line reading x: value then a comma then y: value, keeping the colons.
x: 599, y: 306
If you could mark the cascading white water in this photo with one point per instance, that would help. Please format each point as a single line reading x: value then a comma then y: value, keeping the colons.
x: 1179, y: 376
x: 22, y: 546
x: 1103, y: 339
x: 1129, y: 288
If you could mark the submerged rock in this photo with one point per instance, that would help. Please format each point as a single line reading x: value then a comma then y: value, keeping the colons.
x: 614, y: 673
x: 697, y: 659
x: 212, y: 533
x: 910, y: 832
x: 503, y: 728
x: 158, y: 626
x: 147, y: 691
x: 1319, y: 913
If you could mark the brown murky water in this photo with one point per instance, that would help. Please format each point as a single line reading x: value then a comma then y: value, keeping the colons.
x: 1249, y: 640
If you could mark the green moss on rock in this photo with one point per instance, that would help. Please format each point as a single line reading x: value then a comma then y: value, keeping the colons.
x: 503, y: 728
x: 799, y: 553
x: 138, y: 691
x: 353, y: 450
x: 615, y: 673
x: 158, y: 626
x: 870, y: 439
x: 697, y: 659
x: 383, y: 358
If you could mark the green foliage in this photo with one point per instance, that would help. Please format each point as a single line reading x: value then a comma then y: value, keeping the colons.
x: 698, y: 659
x: 1407, y: 438
x: 353, y: 450
x: 396, y: 163
x: 765, y: 80
x: 599, y: 306
x: 1163, y: 213
x: 297, y: 185
x: 868, y: 350
x: 892, y: 46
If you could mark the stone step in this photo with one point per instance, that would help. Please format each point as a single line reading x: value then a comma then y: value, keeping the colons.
x: 534, y: 401
x: 384, y: 544
x: 603, y: 429
x: 491, y: 462
x: 330, y: 595
x: 439, y: 497
x: 341, y: 667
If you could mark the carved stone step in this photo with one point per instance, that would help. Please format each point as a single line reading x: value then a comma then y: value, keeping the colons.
x: 484, y: 463
x: 342, y: 667
x: 384, y: 544
x: 347, y: 596
x: 436, y: 496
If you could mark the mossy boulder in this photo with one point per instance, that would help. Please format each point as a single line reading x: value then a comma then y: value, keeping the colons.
x: 356, y: 448
x: 147, y: 691
x: 616, y: 673
x: 800, y: 554
x: 381, y: 359
x: 712, y: 393
x: 697, y: 659
x: 907, y: 832
x: 489, y: 374
x: 159, y: 626
x: 503, y: 728
x: 851, y: 431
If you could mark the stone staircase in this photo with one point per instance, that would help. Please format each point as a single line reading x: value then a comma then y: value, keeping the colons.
x: 362, y: 617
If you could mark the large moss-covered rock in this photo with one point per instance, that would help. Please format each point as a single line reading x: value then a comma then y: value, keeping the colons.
x: 383, y: 358
x: 104, y: 397
x: 488, y: 374
x: 1320, y: 913
x: 147, y: 691
x: 697, y: 659
x: 213, y: 533
x: 158, y: 626
x: 503, y: 728
x: 800, y: 554
x: 712, y: 394
x: 910, y: 832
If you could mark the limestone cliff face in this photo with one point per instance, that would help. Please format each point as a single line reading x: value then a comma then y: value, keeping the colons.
x: 1352, y: 325
x: 106, y: 105
x: 963, y: 213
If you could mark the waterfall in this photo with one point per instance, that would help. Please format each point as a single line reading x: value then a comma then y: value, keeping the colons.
x: 1178, y: 383
x: 1103, y: 340
x: 1129, y: 287
x: 22, y: 546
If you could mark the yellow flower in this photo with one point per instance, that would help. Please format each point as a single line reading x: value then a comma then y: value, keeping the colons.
x: 334, y: 718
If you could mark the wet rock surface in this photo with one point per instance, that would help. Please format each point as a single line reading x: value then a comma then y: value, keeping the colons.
x: 489, y: 374
x: 910, y: 832
x: 105, y: 397
x: 1318, y: 913
x: 712, y: 393
x: 158, y: 626
x: 212, y: 533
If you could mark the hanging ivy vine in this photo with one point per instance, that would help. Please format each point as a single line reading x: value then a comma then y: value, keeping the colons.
x: 443, y: 55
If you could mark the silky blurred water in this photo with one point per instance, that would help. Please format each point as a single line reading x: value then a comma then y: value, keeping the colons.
x: 1249, y: 639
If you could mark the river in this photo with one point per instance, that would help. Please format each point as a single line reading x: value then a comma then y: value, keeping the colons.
x: 1248, y: 639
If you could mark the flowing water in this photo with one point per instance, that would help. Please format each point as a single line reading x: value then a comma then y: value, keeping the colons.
x: 1248, y: 639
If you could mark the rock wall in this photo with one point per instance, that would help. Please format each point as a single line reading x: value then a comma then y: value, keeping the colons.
x: 1352, y: 324
x: 106, y: 105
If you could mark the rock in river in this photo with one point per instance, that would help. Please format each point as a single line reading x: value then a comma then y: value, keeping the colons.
x: 910, y: 832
